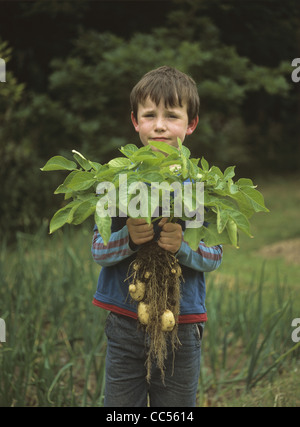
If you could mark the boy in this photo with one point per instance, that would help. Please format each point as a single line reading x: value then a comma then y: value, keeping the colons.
x: 165, y: 106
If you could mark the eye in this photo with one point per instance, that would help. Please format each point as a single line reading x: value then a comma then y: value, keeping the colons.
x: 172, y: 115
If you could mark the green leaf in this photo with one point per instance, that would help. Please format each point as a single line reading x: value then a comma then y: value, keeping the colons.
x: 185, y: 152
x: 222, y: 218
x: 193, y: 236
x: 179, y: 142
x: 255, y: 198
x: 241, y: 221
x: 233, y: 188
x: 162, y: 146
x: 63, y: 188
x: 62, y: 216
x: 152, y: 157
x: 119, y: 162
x: 209, y: 235
x: 204, y: 164
x: 151, y: 176
x: 218, y: 201
x: 193, y: 170
x: 250, y: 201
x: 96, y: 166
x: 84, y: 210
x: 82, y: 161
x: 104, y: 227
x: 212, y: 237
x: 215, y: 171
x: 59, y: 163
x: 184, y: 169
x: 74, y: 213
x: 229, y: 172
x: 232, y: 232
x: 128, y: 150
x: 81, y: 181
x: 106, y: 174
x: 245, y: 182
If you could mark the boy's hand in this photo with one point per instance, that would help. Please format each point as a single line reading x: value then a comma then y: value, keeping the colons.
x: 170, y: 236
x: 139, y: 230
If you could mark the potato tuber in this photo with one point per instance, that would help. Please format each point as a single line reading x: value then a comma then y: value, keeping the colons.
x: 167, y: 321
x: 137, y: 290
x: 143, y: 313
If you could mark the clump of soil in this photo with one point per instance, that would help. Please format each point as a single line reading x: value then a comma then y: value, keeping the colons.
x: 287, y: 249
x: 159, y: 270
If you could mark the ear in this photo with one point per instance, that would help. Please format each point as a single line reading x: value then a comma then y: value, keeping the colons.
x: 192, y: 126
x: 134, y: 122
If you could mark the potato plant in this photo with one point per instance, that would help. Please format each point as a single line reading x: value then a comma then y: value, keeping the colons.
x: 155, y: 275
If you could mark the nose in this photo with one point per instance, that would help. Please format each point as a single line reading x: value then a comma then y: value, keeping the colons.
x: 160, y: 124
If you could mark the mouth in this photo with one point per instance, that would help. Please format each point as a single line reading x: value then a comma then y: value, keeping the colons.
x: 159, y: 139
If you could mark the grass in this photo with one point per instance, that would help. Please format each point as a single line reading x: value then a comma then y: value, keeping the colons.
x: 54, y: 354
x: 281, y: 224
x: 251, y: 301
x: 55, y: 347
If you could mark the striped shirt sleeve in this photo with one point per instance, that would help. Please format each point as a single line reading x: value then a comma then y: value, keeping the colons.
x: 205, y: 259
x: 115, y: 251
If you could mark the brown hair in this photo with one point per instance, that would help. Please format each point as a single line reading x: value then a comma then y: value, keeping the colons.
x: 169, y: 84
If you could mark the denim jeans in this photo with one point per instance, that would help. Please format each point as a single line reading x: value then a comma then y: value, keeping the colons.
x: 126, y: 384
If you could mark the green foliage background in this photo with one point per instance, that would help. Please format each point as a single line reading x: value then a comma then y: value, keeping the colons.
x: 69, y: 80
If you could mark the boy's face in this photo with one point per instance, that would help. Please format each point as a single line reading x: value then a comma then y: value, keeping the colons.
x: 160, y: 123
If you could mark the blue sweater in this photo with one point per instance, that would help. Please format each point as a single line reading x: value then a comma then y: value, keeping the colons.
x: 116, y: 256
